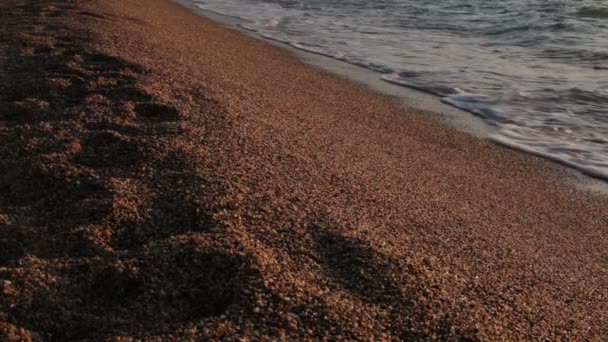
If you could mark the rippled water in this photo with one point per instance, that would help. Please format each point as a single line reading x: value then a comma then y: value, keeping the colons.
x: 536, y: 69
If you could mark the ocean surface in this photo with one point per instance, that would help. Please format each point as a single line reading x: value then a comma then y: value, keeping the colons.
x: 537, y: 70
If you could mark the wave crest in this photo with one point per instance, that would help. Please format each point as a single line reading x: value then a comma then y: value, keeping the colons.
x: 593, y: 12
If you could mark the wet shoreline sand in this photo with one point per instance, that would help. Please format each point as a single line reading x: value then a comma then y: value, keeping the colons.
x: 165, y: 177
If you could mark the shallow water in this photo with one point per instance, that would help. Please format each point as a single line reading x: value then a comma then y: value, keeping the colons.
x: 535, y: 69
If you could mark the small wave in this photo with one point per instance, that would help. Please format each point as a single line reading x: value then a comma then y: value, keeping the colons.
x: 577, y: 95
x: 576, y: 54
x: 274, y: 22
x: 473, y: 104
x: 593, y: 12
x: 527, y: 27
x: 570, y: 154
x: 401, y: 79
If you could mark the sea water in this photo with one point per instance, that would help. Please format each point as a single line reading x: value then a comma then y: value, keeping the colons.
x: 537, y: 70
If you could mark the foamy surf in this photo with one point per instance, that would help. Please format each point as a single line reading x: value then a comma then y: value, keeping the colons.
x: 535, y: 71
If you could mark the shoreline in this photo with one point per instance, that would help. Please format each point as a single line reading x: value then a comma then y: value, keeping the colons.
x: 451, y: 116
x: 412, y: 99
x: 165, y: 177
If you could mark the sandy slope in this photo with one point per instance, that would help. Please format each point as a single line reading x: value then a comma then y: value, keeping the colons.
x: 161, y: 176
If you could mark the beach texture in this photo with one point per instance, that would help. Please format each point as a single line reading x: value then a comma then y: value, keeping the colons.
x: 163, y: 177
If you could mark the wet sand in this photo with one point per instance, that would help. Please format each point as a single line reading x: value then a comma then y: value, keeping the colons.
x: 163, y: 177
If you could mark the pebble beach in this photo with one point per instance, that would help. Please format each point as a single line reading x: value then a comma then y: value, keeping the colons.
x: 163, y: 177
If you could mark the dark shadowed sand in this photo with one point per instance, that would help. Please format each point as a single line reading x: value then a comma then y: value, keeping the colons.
x: 162, y: 177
